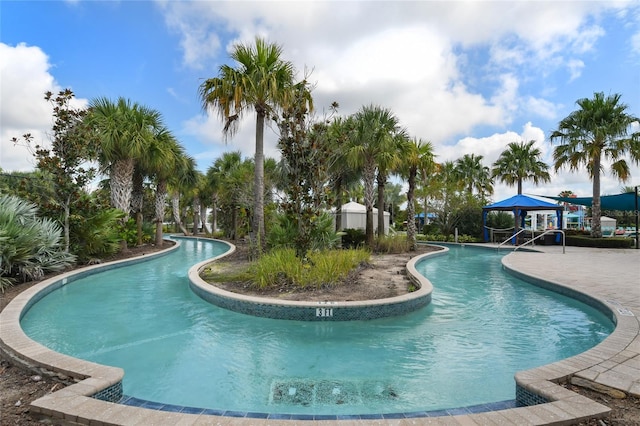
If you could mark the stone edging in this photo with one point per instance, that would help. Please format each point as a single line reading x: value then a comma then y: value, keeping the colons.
x: 317, y: 311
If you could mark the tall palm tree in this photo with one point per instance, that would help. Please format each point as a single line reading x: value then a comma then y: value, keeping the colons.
x: 419, y: 157
x: 124, y: 131
x: 182, y: 180
x: 476, y: 175
x: 215, y: 176
x: 371, y: 140
x: 261, y: 82
x: 162, y: 160
x: 389, y: 159
x: 519, y: 162
x: 450, y: 189
x: 343, y: 175
x: 598, y: 131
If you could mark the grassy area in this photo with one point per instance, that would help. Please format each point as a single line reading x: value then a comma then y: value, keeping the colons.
x: 281, y: 266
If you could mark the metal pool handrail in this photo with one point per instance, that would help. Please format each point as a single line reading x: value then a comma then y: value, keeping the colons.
x: 510, y: 238
x: 549, y: 231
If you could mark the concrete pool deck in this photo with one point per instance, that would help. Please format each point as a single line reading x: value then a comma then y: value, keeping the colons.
x: 610, y: 277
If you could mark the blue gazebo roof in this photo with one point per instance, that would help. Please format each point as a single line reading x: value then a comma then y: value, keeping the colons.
x: 522, y: 202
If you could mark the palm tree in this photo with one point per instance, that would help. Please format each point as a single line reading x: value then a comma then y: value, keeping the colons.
x: 182, y: 180
x: 598, y: 131
x: 216, y: 176
x: 124, y: 132
x: 261, y: 82
x: 419, y: 158
x: 343, y: 176
x: 162, y: 159
x: 371, y: 141
x: 519, y: 162
x: 448, y: 197
x: 476, y: 175
x: 389, y: 159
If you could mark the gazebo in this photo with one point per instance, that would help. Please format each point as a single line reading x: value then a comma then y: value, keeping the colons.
x: 520, y: 205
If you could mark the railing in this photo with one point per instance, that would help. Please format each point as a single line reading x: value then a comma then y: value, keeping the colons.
x: 493, y: 232
x: 549, y: 231
x: 510, y: 238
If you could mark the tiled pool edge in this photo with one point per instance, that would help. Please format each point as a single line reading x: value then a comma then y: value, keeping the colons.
x: 318, y: 311
x: 71, y: 405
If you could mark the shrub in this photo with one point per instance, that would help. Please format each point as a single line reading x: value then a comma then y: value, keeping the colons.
x: 30, y: 246
x: 392, y: 244
x: 282, y: 267
x: 95, y: 236
x: 284, y: 233
x: 613, y: 242
x: 353, y: 238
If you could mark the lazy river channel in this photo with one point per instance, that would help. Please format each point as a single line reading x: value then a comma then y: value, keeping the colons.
x: 463, y: 349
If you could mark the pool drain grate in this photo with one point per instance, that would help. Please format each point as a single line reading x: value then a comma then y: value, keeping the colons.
x: 330, y: 392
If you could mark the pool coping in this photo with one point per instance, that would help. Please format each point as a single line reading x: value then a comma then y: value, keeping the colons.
x: 327, y: 310
x: 74, y: 404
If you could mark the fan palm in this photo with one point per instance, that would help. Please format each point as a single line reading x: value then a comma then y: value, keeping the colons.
x: 182, y: 180
x: 598, y: 130
x: 389, y: 159
x: 520, y: 162
x: 261, y: 82
x: 372, y: 141
x: 161, y: 162
x: 343, y: 175
x: 419, y: 157
x: 124, y: 132
x: 477, y: 176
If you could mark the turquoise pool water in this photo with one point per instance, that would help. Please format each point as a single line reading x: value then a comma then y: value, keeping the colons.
x: 463, y: 349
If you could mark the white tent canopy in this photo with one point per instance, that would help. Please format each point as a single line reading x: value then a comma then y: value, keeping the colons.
x: 354, y: 216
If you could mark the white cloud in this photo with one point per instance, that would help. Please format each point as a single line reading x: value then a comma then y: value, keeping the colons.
x: 25, y: 79
x: 429, y: 62
x: 575, y: 67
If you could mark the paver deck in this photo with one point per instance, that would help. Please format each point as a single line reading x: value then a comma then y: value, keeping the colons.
x: 611, y: 277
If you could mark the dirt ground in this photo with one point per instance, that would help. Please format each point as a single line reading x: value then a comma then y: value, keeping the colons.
x: 385, y: 277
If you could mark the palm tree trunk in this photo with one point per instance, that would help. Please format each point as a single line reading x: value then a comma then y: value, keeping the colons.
x: 121, y: 185
x: 137, y: 198
x: 161, y: 195
x: 175, y: 208
x: 368, y: 173
x: 339, y: 202
x: 411, y: 213
x: 424, y: 220
x: 596, y: 210
x: 214, y: 214
x: 203, y: 218
x: 381, y: 183
x: 196, y: 215
x: 258, y: 190
x: 519, y: 186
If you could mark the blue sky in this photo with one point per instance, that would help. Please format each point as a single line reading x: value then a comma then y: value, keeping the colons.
x: 468, y: 76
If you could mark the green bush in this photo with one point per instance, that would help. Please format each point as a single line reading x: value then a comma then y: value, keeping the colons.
x: 613, y: 242
x: 353, y: 238
x: 500, y: 220
x: 95, y: 236
x: 392, y: 244
x: 284, y: 233
x: 30, y: 246
x: 281, y: 267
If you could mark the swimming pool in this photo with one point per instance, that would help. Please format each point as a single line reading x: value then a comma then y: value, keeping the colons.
x: 481, y: 327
